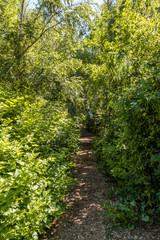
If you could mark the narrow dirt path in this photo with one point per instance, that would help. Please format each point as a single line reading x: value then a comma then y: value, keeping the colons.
x: 84, y: 219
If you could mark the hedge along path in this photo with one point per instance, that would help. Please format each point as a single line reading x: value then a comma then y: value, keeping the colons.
x: 84, y: 218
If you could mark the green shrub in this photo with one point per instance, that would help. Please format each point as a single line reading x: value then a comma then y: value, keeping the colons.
x: 122, y: 212
x: 129, y: 143
x: 36, y: 140
x: 129, y: 150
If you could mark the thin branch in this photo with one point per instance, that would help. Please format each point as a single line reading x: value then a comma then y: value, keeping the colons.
x: 43, y: 30
x: 36, y: 40
x: 22, y: 14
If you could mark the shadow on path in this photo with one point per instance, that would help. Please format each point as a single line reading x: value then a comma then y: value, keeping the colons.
x: 84, y: 221
x: 84, y: 218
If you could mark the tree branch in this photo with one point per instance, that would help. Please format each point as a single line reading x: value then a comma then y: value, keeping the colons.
x: 22, y: 15
x: 36, y: 40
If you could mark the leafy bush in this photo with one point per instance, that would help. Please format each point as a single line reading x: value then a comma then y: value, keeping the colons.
x: 122, y: 212
x: 126, y: 79
x: 129, y: 150
x: 36, y: 140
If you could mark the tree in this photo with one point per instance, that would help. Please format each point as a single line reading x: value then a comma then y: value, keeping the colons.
x: 25, y: 28
x: 124, y: 90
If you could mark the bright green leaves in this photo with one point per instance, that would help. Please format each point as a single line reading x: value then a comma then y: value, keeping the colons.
x: 38, y: 45
x: 36, y: 140
x: 123, y: 89
x: 38, y: 68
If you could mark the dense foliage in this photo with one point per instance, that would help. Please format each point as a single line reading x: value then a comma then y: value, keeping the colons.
x: 37, y: 139
x: 40, y: 97
x: 123, y: 90
x: 58, y: 60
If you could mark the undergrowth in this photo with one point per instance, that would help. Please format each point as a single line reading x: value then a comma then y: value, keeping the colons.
x: 36, y: 140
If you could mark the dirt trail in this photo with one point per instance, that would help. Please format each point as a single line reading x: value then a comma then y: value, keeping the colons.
x: 84, y: 219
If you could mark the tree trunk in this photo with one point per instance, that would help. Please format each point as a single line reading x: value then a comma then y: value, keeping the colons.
x: 22, y: 15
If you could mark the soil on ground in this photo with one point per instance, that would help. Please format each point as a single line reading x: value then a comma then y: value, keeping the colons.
x: 84, y: 219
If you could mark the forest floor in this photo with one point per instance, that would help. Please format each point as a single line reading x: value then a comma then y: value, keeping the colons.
x: 84, y: 220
